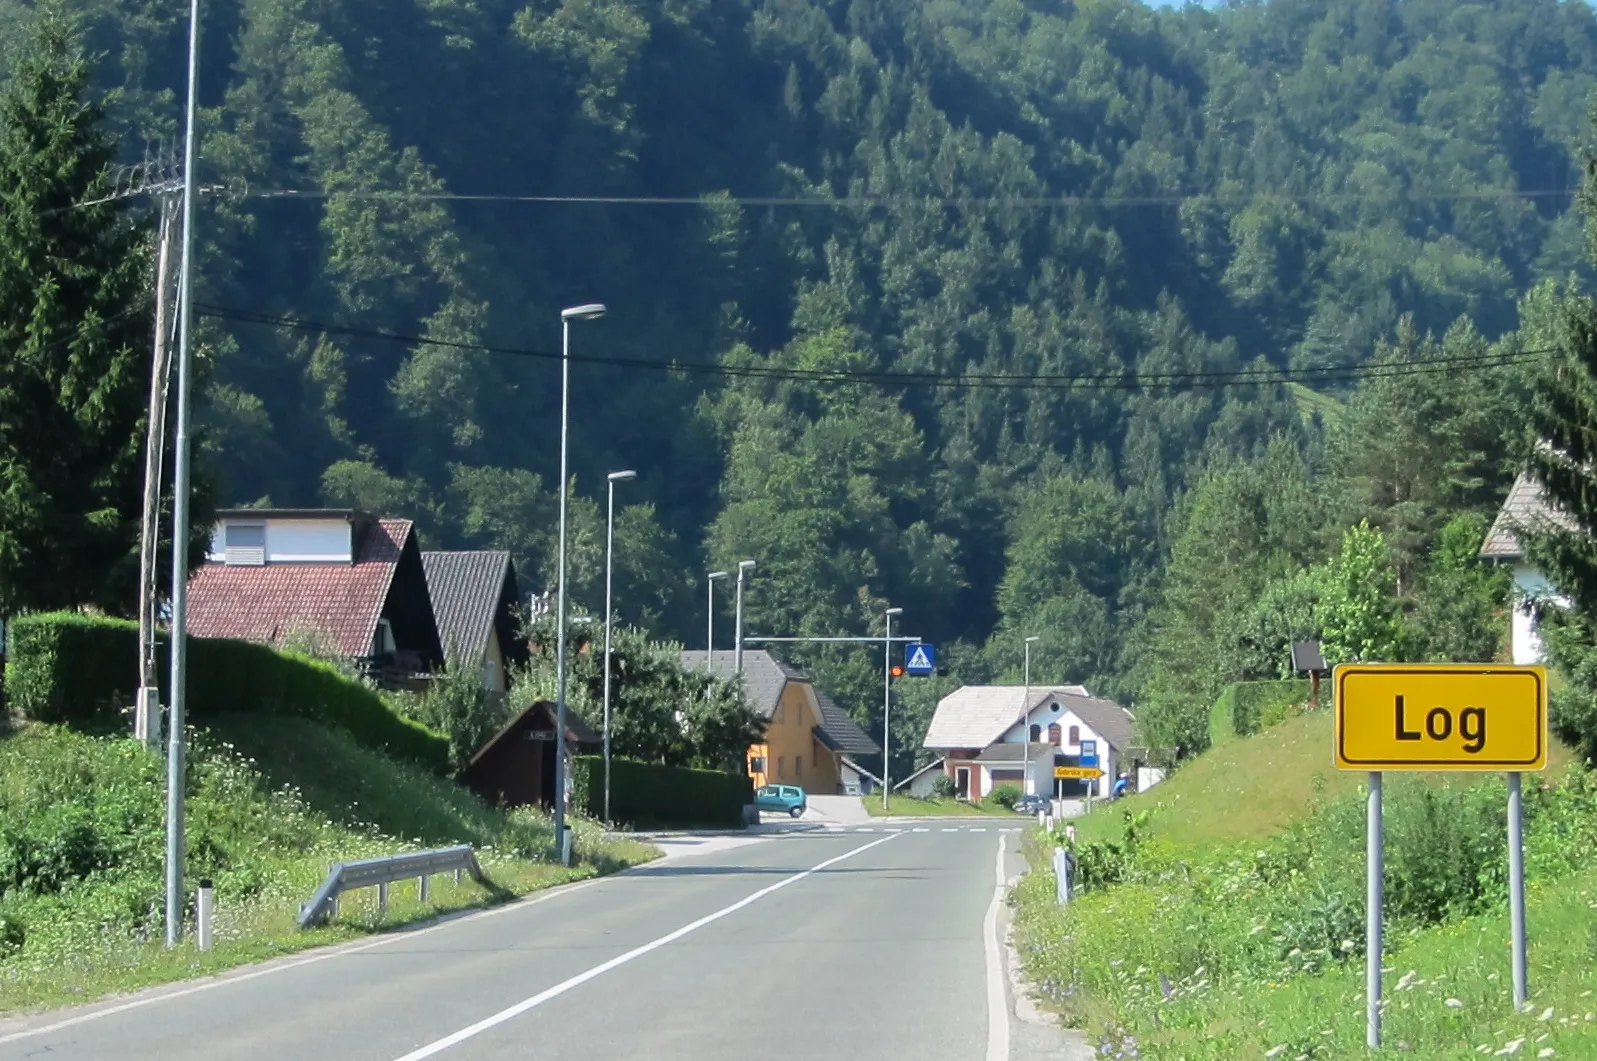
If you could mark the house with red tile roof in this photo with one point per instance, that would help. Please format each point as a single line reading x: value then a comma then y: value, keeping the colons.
x: 351, y: 581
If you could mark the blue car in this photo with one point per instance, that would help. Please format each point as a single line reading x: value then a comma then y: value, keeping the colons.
x: 789, y: 798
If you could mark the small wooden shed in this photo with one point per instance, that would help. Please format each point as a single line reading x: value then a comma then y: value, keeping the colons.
x: 516, y: 768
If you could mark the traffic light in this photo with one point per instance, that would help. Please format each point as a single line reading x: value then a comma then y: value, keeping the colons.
x: 897, y: 671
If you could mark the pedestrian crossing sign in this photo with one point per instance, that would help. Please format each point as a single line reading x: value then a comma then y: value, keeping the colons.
x: 920, y: 659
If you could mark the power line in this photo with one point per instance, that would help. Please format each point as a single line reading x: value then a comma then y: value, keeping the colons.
x: 1088, y: 381
x: 961, y: 201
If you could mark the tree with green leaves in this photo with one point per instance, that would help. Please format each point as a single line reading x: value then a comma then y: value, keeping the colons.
x: 75, y: 317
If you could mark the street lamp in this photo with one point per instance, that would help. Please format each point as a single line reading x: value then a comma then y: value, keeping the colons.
x: 744, y: 566
x: 609, y: 570
x: 588, y: 312
x: 709, y: 634
x: 887, y: 700
x: 1025, y: 726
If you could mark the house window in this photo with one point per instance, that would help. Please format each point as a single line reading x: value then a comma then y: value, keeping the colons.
x: 244, y: 544
x: 781, y: 766
x: 1054, y: 735
x: 490, y: 676
x: 798, y: 767
x: 757, y: 764
x: 1075, y: 734
x: 383, y: 639
x: 1036, y: 733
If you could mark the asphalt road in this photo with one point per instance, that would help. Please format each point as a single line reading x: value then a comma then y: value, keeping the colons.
x: 805, y: 945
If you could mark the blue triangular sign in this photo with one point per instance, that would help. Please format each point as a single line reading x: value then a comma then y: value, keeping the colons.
x: 920, y: 659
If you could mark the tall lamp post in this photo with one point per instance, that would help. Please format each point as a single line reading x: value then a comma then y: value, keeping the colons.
x: 709, y: 633
x: 887, y: 701
x: 609, y: 572
x: 1025, y: 727
x: 744, y: 567
x: 588, y: 312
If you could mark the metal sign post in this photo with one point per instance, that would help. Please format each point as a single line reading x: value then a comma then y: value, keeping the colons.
x: 1440, y: 716
x: 1374, y: 858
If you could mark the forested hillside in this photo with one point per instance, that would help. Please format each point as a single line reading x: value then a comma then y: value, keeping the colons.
x: 958, y: 292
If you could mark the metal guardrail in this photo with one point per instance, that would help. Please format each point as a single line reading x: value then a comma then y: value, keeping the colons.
x: 381, y: 872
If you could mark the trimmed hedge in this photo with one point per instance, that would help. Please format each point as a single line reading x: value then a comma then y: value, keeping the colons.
x: 82, y: 671
x: 1245, y: 708
x: 650, y: 794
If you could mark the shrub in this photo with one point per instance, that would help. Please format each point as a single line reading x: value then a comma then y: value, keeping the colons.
x: 1245, y: 708
x: 943, y: 787
x: 1005, y: 795
x: 647, y: 793
x: 79, y: 670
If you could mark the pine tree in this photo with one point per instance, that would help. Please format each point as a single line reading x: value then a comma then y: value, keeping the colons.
x: 1563, y: 424
x: 75, y: 320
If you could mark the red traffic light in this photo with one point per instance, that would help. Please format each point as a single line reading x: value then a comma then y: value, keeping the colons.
x: 898, y: 672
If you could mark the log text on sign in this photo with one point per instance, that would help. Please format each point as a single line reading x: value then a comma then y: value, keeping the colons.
x: 1440, y: 725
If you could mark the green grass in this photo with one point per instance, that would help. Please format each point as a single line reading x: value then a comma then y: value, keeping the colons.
x: 910, y: 807
x: 1250, y: 787
x: 1233, y: 928
x: 272, y: 803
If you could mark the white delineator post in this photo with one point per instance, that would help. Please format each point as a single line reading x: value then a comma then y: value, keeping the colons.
x: 1516, y: 889
x: 1372, y: 914
x: 204, y: 909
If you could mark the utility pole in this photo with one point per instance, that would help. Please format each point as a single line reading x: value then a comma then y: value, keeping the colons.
x: 887, y: 703
x: 147, y: 711
x: 175, y: 845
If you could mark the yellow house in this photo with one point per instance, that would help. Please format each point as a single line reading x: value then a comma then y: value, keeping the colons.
x: 807, y: 736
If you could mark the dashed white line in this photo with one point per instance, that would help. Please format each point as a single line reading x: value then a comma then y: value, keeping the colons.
x: 920, y: 829
x: 950, y: 830
x: 979, y: 829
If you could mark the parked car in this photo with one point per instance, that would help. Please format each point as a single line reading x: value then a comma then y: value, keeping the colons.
x: 789, y: 798
x: 1031, y: 804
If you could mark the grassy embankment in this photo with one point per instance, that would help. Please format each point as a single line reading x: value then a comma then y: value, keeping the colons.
x: 1229, y: 923
x: 272, y: 803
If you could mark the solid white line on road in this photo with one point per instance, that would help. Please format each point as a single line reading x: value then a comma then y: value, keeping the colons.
x: 997, y: 1007
x: 325, y: 954
x: 511, y: 1012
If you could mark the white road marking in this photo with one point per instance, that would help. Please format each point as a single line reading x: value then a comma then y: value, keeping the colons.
x: 921, y: 829
x: 511, y: 1012
x: 324, y: 954
x: 864, y: 830
x: 997, y: 1008
x: 979, y: 829
x: 950, y: 830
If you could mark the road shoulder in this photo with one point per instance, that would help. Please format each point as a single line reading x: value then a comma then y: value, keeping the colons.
x: 1034, y: 1033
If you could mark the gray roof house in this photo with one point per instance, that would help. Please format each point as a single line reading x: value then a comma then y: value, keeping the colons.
x: 807, y: 734
x: 474, y: 601
x: 993, y: 734
x: 1525, y: 508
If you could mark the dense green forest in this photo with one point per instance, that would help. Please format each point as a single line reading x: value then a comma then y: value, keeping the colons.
x: 1162, y: 334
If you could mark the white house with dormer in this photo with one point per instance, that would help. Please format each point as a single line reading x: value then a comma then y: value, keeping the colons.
x: 1525, y: 509
x: 990, y: 735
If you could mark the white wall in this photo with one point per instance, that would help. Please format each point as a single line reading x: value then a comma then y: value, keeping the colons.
x: 1530, y: 585
x: 1045, y: 715
x: 296, y: 541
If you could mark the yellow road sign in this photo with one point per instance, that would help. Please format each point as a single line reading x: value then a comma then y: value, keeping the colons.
x: 1440, y: 716
x: 1078, y: 773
